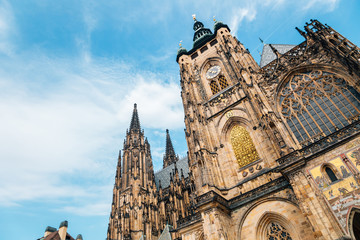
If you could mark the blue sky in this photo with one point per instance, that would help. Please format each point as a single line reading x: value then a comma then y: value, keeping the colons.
x: 70, y: 72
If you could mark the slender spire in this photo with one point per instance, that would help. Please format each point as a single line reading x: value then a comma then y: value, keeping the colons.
x: 135, y: 123
x: 170, y: 156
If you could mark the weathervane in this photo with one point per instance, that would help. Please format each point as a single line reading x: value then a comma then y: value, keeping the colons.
x: 214, y: 19
x: 180, y: 43
x: 194, y: 17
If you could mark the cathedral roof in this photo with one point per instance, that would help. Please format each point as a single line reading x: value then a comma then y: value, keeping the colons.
x: 164, y: 174
x: 268, y: 55
x: 135, y: 123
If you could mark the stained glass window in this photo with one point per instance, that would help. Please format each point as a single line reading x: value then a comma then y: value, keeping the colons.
x: 276, y: 231
x: 243, y: 146
x: 317, y: 103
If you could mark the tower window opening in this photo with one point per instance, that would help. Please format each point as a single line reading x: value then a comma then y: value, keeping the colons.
x: 214, y: 86
x: 331, y: 174
x: 223, y: 82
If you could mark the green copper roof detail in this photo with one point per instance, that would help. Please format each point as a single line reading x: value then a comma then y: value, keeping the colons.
x: 50, y: 229
x: 63, y: 224
x: 181, y: 51
x: 200, y: 33
x: 218, y: 25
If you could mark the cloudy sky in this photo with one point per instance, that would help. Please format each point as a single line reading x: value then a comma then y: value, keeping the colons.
x: 70, y: 72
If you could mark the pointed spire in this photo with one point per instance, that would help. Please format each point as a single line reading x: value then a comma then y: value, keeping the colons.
x: 170, y: 156
x: 169, y: 147
x: 135, y: 123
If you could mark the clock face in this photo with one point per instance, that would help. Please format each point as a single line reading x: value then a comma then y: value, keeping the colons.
x: 213, y: 72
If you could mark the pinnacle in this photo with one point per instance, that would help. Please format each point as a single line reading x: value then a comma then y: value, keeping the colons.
x: 170, y: 156
x: 135, y: 123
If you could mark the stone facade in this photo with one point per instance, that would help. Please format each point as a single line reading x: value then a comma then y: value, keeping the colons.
x: 273, y: 152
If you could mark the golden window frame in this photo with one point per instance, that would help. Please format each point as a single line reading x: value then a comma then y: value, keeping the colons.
x: 243, y: 146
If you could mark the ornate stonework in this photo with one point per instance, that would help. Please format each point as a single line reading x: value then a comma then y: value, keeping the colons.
x: 273, y: 152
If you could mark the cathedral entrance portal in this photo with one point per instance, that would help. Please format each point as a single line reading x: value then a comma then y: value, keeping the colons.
x: 354, y: 223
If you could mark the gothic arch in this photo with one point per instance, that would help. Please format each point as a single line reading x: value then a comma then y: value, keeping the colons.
x: 236, y: 114
x: 282, y: 225
x: 353, y: 222
x: 228, y: 140
x: 315, y: 101
x: 325, y: 168
x: 281, y: 211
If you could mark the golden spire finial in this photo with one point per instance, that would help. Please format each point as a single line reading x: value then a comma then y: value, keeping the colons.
x: 214, y: 19
x: 180, y: 43
x: 194, y: 17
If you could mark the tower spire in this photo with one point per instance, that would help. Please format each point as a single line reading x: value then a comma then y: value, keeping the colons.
x: 135, y: 123
x: 170, y: 156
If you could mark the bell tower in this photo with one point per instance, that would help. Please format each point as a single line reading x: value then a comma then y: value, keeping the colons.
x: 134, y: 208
x: 227, y: 117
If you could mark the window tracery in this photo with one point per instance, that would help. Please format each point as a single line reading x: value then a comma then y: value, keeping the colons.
x: 276, y: 231
x: 243, y: 146
x: 317, y: 103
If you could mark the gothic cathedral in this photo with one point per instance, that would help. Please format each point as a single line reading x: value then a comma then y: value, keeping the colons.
x: 273, y: 149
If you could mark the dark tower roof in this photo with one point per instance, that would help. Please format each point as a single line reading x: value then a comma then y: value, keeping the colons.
x: 170, y: 156
x: 135, y: 123
x: 200, y: 33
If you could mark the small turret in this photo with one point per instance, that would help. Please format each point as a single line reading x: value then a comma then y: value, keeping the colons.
x: 63, y: 229
x: 170, y: 156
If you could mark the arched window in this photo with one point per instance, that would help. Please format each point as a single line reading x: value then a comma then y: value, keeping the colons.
x: 218, y: 84
x: 223, y: 82
x: 214, y: 86
x: 276, y: 231
x: 317, y: 103
x: 330, y: 174
x: 243, y: 146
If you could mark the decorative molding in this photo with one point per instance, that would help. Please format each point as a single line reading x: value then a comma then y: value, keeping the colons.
x: 323, y: 145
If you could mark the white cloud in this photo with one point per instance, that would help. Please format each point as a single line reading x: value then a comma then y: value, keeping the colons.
x: 241, y: 14
x: 7, y: 27
x: 325, y: 5
x: 61, y: 121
